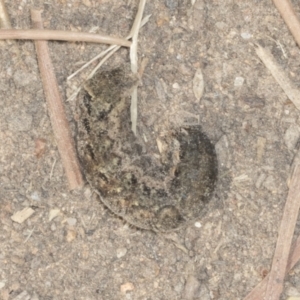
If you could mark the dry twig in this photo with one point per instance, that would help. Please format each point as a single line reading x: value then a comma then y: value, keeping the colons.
x: 259, y: 291
x: 56, y: 110
x: 60, y: 35
x: 285, y: 236
x: 106, y: 53
x: 284, y: 259
x: 287, y: 12
x: 279, y: 75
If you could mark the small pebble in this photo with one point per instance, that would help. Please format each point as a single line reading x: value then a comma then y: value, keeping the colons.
x: 126, y: 287
x: 238, y: 81
x: 198, y: 224
x: 175, y: 85
x: 71, y: 221
x: 53, y: 214
x: 246, y: 35
x: 292, y: 136
x: 172, y: 4
x: 35, y: 196
x: 121, y: 252
x: 2, y: 284
x: 71, y: 235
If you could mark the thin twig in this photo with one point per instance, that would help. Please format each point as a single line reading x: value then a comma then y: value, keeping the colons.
x: 92, y: 60
x: 259, y: 291
x: 279, y: 75
x: 112, y: 48
x: 107, y: 54
x: 60, y: 35
x: 4, y: 17
x: 288, y: 14
x: 285, y: 236
x: 56, y: 110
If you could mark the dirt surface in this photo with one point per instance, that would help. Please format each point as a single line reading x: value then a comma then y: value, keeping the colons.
x: 72, y: 247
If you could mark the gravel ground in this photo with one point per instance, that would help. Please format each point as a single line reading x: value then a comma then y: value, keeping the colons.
x: 72, y: 247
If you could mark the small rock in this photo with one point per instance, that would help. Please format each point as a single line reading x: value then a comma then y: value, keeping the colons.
x: 172, y: 4
x: 121, y: 252
x: 2, y: 284
x: 22, y: 215
x: 71, y: 235
x: 176, y: 85
x: 291, y: 136
x: 71, y: 221
x: 198, y: 225
x: 35, y: 196
x: 239, y: 81
x: 223, y: 154
x: 246, y: 35
x: 198, y: 84
x: 53, y: 214
x: 126, y: 287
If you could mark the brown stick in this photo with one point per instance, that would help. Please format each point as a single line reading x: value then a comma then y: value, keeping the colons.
x: 60, y: 35
x: 56, y: 110
x: 285, y: 236
x: 279, y: 75
x: 259, y: 291
x: 287, y: 12
x: 272, y: 285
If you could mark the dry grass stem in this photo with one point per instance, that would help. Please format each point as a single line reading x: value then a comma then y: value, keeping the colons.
x: 112, y: 49
x: 106, y: 53
x: 103, y: 53
x: 4, y: 17
x: 60, y: 35
x: 288, y: 14
x: 56, y: 110
x: 134, y: 63
x: 280, y: 76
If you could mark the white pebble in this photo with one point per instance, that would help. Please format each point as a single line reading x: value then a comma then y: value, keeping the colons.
x: 121, y: 252
x: 238, y: 81
x: 198, y: 224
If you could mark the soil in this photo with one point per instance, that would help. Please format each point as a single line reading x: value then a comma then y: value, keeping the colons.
x: 72, y: 247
